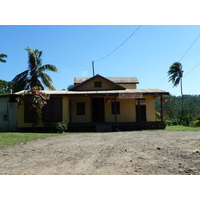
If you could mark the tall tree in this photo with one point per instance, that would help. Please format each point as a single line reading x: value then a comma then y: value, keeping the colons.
x: 175, y: 74
x: 34, y: 75
x: 5, y: 87
x: 3, y: 56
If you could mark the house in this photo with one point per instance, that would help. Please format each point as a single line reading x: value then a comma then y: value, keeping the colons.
x: 99, y: 104
x: 8, y: 113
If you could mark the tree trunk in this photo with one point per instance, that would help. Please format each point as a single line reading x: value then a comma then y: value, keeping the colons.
x: 182, y: 91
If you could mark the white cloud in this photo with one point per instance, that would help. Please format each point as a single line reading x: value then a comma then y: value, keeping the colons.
x: 84, y: 73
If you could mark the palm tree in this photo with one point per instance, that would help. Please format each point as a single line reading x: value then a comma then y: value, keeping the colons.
x: 175, y: 74
x: 34, y: 75
x: 3, y: 56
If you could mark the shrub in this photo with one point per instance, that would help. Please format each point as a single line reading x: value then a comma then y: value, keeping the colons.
x: 198, y: 118
x: 168, y: 122
x: 36, y: 100
x: 61, y: 126
x: 195, y: 123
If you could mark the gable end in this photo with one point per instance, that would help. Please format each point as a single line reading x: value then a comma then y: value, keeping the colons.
x: 97, y: 83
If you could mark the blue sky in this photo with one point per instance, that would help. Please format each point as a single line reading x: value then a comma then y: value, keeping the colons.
x: 147, y: 55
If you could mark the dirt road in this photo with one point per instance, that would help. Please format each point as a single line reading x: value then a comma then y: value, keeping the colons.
x: 131, y: 153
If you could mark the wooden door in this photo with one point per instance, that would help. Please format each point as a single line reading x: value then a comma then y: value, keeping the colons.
x: 98, y: 110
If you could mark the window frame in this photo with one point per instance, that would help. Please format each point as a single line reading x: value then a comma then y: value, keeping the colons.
x: 97, y: 84
x: 80, y: 108
x: 54, y: 109
x: 115, y: 107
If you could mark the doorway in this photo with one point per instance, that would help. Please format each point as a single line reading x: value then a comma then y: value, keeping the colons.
x: 141, y: 115
x: 98, y: 110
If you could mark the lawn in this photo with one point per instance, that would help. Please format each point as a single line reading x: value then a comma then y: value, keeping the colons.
x: 182, y: 128
x: 7, y: 139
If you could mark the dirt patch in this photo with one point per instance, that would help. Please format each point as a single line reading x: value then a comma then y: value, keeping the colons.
x: 138, y: 152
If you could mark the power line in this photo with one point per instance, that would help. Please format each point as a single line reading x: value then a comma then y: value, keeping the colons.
x: 186, y: 74
x: 192, y: 69
x: 119, y: 45
x: 182, y: 58
x: 190, y: 47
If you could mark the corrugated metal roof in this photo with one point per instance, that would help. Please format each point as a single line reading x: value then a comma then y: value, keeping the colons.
x: 123, y: 79
x: 67, y: 92
x: 118, y: 80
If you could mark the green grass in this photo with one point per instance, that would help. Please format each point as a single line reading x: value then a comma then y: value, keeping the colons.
x: 182, y: 128
x: 8, y: 139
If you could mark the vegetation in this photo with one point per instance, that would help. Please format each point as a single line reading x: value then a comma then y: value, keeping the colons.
x: 35, y: 74
x: 2, y: 56
x: 5, y: 87
x: 36, y: 100
x: 8, y: 139
x: 175, y: 74
x: 182, y: 128
x: 61, y: 126
x: 176, y: 113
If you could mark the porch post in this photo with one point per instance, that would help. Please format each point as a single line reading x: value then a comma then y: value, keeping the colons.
x: 70, y: 111
x: 161, y: 108
x: 139, y: 110
x: 115, y: 110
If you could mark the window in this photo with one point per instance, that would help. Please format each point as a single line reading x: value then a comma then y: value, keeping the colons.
x: 52, y: 112
x: 140, y: 101
x: 80, y: 108
x: 97, y: 84
x: 115, y: 107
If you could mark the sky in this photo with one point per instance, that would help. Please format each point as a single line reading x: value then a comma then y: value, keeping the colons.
x: 147, y: 55
x: 82, y: 31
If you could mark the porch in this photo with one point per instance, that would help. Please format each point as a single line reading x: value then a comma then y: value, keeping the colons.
x: 115, y: 126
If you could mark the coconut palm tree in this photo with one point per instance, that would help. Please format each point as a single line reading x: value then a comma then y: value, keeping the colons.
x: 34, y: 75
x: 175, y: 74
x: 3, y: 56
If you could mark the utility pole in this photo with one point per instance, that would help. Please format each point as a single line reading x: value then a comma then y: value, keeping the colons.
x: 93, y: 67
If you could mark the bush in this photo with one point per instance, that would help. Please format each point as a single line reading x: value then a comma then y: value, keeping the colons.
x: 195, y: 123
x: 198, y: 118
x: 61, y: 126
x: 168, y: 122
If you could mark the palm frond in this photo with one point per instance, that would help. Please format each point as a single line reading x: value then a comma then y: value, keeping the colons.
x: 46, y: 80
x: 21, y: 76
x: 21, y: 81
x: 38, y: 84
x: 175, y: 73
x: 3, y: 56
x: 30, y: 77
x: 34, y: 59
x: 48, y: 67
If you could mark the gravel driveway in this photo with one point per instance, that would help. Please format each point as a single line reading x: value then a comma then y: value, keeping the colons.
x: 137, y: 152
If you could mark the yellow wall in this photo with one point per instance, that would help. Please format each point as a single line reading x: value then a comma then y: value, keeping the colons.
x: 106, y: 85
x: 127, y: 110
x: 150, y: 107
x: 65, y: 108
x: 80, y: 118
x: 65, y: 114
x: 20, y: 117
x: 129, y: 86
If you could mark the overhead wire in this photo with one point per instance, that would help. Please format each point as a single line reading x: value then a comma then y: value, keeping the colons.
x: 183, y: 57
x: 192, y: 69
x: 187, y: 73
x: 118, y: 46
